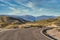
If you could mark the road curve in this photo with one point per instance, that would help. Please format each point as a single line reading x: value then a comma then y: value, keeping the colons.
x: 23, y: 34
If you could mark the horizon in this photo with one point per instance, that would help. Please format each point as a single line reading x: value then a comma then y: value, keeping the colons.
x: 30, y: 7
x: 28, y: 15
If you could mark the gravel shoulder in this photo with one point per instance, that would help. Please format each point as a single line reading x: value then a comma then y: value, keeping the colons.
x: 54, y: 33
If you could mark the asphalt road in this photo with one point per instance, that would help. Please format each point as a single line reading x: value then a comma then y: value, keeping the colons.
x: 23, y: 34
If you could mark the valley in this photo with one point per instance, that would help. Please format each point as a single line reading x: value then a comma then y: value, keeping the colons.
x: 18, y: 26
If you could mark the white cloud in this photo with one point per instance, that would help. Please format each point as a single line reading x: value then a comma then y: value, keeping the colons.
x: 26, y: 11
x: 2, y: 4
x: 19, y: 12
x: 9, y: 4
x: 30, y: 4
x: 12, y: 8
x: 15, y: 12
x: 43, y: 9
x: 21, y: 3
x: 52, y: 1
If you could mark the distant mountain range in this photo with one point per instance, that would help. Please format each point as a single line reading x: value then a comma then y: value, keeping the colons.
x: 28, y: 17
x: 44, y: 17
x: 33, y: 18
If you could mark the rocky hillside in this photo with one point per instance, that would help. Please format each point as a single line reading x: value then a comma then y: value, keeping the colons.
x: 51, y: 22
x: 8, y: 22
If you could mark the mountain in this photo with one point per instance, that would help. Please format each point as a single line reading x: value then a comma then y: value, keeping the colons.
x: 52, y: 22
x: 18, y: 17
x: 8, y: 22
x: 28, y: 17
x: 44, y: 17
x: 32, y: 18
x: 25, y: 17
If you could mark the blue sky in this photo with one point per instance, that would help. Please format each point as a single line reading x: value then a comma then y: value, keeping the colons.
x: 30, y: 7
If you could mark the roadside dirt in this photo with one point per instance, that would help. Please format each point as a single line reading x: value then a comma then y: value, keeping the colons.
x: 54, y: 33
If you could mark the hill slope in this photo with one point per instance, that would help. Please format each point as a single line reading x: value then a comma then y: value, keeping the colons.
x: 52, y: 22
x: 7, y: 22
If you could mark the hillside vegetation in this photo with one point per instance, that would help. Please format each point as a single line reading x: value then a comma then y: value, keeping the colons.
x: 9, y: 22
x: 49, y: 22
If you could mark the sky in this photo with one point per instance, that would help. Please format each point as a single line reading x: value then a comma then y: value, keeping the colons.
x: 30, y: 7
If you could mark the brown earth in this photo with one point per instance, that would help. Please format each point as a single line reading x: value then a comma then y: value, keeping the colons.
x: 54, y: 33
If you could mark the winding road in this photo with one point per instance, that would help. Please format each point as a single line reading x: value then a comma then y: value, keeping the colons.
x: 23, y: 34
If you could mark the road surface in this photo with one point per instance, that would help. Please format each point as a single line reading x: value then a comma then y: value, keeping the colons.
x: 23, y: 34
